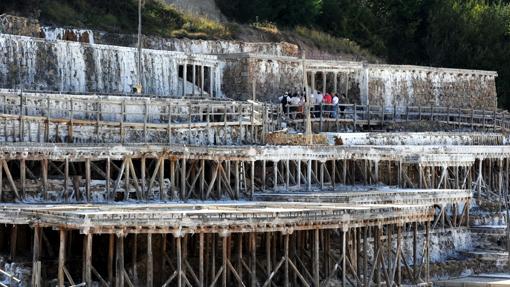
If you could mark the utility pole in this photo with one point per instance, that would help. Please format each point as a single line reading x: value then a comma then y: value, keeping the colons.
x: 138, y: 86
x: 308, y: 120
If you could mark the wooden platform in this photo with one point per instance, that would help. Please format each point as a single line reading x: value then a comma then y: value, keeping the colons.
x: 383, y: 195
x: 211, y: 217
x: 484, y: 280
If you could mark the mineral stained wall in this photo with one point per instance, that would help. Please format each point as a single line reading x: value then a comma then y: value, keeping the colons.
x: 391, y: 85
x: 35, y: 64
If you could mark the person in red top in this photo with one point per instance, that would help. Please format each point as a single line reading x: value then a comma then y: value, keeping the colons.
x: 327, y: 100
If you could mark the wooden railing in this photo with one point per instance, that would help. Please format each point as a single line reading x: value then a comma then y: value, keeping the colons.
x: 366, y: 117
x: 134, y: 113
x: 128, y: 110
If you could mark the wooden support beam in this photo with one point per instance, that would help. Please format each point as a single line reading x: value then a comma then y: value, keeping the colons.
x: 61, y: 258
x: 119, y: 262
x: 183, y: 179
x: 23, y: 176
x: 179, y: 261
x: 309, y: 175
x: 87, y: 180
x: 87, y: 261
x: 162, y: 191
x: 344, y: 257
x: 66, y: 179
x: 286, y: 282
x: 201, y: 272
x: 224, y: 259
x: 11, y: 180
x: 316, y: 259
x: 150, y: 262
x: 44, y: 174
x: 36, y: 263
x: 253, y: 259
x: 13, y: 242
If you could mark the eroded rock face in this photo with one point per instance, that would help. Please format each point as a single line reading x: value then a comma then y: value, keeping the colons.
x: 19, y: 25
x: 35, y: 64
x: 406, y: 85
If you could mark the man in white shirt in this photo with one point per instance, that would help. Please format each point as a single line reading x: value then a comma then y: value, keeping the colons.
x: 317, y: 104
x: 335, y: 102
x: 294, y: 102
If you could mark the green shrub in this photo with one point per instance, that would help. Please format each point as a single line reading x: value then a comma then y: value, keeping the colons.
x: 326, y: 42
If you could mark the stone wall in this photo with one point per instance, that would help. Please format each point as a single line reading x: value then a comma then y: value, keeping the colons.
x: 19, y: 26
x: 411, y: 85
x: 272, y: 76
x: 35, y: 64
x: 394, y: 85
x: 30, y: 27
x: 273, y: 67
x: 172, y: 44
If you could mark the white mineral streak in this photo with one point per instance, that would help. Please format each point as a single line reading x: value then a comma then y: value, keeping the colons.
x: 418, y: 139
x: 55, y: 33
x: 20, y: 271
x: 76, y: 67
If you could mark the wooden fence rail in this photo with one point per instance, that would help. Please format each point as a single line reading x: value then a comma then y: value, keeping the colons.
x: 66, y: 116
x: 328, y: 118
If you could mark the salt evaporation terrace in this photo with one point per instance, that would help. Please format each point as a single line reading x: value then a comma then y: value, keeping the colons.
x: 184, y: 186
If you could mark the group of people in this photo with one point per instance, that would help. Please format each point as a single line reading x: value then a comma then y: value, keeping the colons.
x: 293, y: 103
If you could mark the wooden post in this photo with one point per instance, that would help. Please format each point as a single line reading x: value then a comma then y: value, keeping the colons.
x: 237, y: 179
x: 88, y: 179
x: 224, y: 260
x: 13, y: 243
x: 184, y: 78
x: 298, y: 174
x: 119, y: 262
x: 309, y: 175
x: 145, y: 192
x: 263, y: 175
x: 427, y: 252
x: 252, y: 179
x: 275, y: 174
x: 183, y: 179
x: 316, y: 259
x: 66, y: 178
x: 122, y: 115
x: 111, y: 252
x: 201, y: 259
x: 134, y: 258
x: 87, y: 261
x: 202, y: 179
x: 202, y: 78
x: 44, y: 171
x: 150, y: 261
x: 178, y: 247
x: 36, y: 268
x: 162, y: 192
x: 286, y: 266
x: 399, y: 255
x: 61, y: 258
x: 344, y: 257
x: 23, y: 176
x: 253, y: 259
x: 194, y: 79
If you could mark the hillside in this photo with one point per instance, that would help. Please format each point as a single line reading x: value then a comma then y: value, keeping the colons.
x: 463, y: 34
x: 180, y: 19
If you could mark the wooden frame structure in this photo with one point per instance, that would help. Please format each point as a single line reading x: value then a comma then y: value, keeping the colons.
x: 219, y: 245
